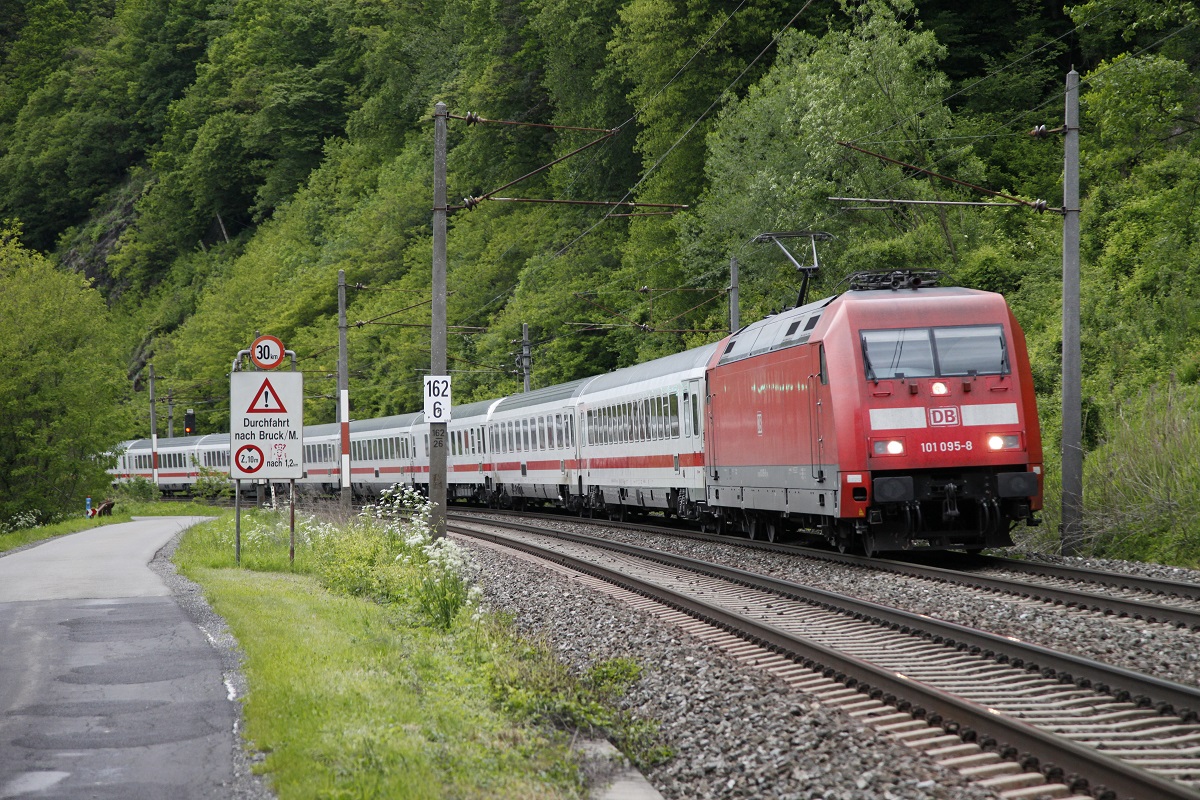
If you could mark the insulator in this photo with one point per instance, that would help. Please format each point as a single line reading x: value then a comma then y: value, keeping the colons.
x: 474, y: 119
x: 1038, y: 132
x: 1039, y: 206
x: 469, y: 202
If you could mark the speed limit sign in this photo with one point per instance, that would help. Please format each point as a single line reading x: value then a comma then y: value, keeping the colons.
x: 267, y: 352
x: 437, y: 398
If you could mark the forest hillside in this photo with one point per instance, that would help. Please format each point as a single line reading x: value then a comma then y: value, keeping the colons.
x: 210, y: 165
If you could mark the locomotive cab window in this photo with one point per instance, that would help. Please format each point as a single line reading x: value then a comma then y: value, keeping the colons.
x: 935, y: 352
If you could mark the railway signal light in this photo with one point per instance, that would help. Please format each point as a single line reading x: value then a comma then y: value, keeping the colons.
x: 189, y: 422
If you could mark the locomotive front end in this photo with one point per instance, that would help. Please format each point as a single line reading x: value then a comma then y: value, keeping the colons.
x: 949, y: 425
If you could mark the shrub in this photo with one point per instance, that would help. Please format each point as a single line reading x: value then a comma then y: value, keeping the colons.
x: 136, y: 490
x: 211, y: 484
x: 391, y: 556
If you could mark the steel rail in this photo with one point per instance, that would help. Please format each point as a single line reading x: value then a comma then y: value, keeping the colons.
x: 971, y: 721
x: 1103, y: 577
x: 1124, y: 684
x: 1071, y: 598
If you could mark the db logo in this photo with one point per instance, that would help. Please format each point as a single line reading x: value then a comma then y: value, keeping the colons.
x: 941, y: 417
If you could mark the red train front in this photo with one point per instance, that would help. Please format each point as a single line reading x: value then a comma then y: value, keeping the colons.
x: 894, y: 415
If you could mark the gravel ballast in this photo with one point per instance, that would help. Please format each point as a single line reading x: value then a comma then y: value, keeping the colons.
x: 736, y: 731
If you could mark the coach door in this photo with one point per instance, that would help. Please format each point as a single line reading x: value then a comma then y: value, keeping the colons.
x: 817, y: 380
x: 692, y: 413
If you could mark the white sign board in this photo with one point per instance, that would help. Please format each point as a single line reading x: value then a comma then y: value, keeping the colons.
x: 437, y: 398
x: 266, y: 425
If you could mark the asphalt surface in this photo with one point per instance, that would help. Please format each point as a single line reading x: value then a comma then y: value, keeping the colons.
x: 116, y: 682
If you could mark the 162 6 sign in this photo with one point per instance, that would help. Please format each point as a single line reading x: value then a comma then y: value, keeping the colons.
x: 437, y: 398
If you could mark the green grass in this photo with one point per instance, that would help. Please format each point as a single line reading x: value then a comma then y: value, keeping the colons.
x: 361, y: 685
x: 123, y: 512
x: 349, y: 700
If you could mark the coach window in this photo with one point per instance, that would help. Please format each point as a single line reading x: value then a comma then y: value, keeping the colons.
x: 674, y: 416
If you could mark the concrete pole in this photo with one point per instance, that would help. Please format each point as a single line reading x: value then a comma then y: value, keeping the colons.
x: 734, y: 312
x: 153, y: 430
x: 437, y: 344
x: 1072, y: 379
x: 343, y: 383
x: 526, y: 355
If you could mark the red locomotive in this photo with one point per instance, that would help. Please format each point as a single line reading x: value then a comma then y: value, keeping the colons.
x: 890, y: 416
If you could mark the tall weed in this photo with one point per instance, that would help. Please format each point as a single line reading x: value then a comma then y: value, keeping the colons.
x: 1142, y: 484
x: 391, y: 556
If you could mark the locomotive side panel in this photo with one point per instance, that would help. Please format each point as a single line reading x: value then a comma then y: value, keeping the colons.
x: 769, y: 434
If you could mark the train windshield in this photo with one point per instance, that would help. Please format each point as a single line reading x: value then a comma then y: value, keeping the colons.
x: 935, y: 352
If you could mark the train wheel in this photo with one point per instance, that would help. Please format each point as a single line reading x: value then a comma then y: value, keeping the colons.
x: 772, y: 530
x: 869, y: 546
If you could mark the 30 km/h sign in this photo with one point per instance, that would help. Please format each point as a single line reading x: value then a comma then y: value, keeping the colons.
x: 267, y: 352
x: 266, y: 421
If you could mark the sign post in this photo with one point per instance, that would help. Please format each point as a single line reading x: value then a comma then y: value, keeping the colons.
x: 266, y: 425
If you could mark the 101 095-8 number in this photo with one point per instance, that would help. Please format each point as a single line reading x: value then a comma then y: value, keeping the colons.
x: 947, y: 447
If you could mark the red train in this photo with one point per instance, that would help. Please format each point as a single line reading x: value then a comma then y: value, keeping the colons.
x: 891, y: 416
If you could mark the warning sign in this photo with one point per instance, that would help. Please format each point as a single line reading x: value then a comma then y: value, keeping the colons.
x: 266, y: 401
x: 266, y: 424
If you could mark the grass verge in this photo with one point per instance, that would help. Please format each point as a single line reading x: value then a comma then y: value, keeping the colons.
x: 348, y: 700
x: 373, y: 672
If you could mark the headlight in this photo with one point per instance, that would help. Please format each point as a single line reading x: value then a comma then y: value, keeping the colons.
x: 889, y: 447
x: 939, y: 388
x: 1007, y: 441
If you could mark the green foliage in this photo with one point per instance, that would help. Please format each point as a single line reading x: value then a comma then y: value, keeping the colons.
x: 1141, y: 499
x: 137, y: 490
x: 537, y: 687
x: 214, y: 164
x: 60, y: 389
x: 211, y: 484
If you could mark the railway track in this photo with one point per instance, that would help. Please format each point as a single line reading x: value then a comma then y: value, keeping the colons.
x: 1080, y: 723
x: 1145, y: 598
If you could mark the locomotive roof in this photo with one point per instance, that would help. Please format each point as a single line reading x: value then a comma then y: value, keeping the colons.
x: 908, y: 307
x: 785, y: 329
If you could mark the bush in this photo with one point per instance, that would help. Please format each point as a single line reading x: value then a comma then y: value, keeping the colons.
x: 1142, y: 484
x: 137, y: 490
x: 391, y: 556
x: 211, y: 484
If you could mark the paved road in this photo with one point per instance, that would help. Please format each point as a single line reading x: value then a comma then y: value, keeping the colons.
x: 108, y: 691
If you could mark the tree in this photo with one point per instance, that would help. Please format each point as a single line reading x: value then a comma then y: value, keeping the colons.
x: 60, y: 388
